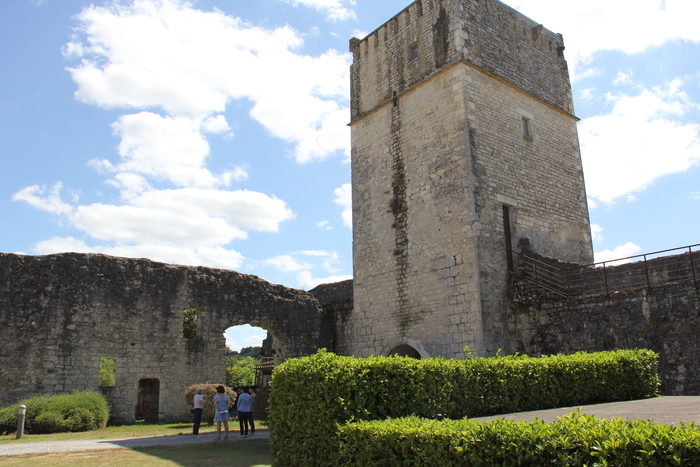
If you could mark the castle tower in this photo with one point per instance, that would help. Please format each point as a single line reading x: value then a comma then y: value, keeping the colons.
x: 464, y: 150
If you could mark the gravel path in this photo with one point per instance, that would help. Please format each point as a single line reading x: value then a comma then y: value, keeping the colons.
x: 16, y: 449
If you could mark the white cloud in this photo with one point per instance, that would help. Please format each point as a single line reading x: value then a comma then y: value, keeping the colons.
x: 217, y: 125
x: 335, y: 9
x: 343, y: 198
x: 307, y: 281
x: 316, y: 253
x: 191, y: 63
x: 623, y: 251
x: 286, y: 263
x: 305, y: 261
x: 639, y: 141
x: 215, y: 257
x: 595, y: 25
x: 187, y: 217
x: 46, y: 200
x: 596, y: 232
x: 324, y: 225
x: 164, y: 148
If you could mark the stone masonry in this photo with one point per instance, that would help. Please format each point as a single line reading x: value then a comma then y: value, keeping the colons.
x: 464, y: 146
x: 464, y: 153
x: 59, y: 314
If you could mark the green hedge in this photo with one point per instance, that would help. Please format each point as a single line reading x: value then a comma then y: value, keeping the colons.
x: 311, y: 395
x: 573, y: 440
x: 77, y: 411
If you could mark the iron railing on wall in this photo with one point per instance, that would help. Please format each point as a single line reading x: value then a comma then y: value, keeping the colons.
x: 676, y: 265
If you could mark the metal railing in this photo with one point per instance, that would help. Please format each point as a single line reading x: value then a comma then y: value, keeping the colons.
x: 632, y: 272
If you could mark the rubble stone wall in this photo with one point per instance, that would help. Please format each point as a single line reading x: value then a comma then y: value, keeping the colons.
x: 59, y: 314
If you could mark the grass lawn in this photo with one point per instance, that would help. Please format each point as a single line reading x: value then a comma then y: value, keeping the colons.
x: 248, y: 453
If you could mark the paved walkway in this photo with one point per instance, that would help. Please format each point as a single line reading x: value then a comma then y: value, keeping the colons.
x: 669, y: 409
x: 40, y: 447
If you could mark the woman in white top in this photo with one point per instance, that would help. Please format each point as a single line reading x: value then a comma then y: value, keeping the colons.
x: 198, y: 408
x: 222, y: 402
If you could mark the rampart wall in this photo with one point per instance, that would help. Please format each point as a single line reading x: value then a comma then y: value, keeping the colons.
x: 664, y: 319
x: 59, y: 314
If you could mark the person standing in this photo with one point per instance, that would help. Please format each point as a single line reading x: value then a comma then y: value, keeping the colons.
x: 222, y: 403
x: 251, y: 391
x: 198, y: 408
x: 244, y: 411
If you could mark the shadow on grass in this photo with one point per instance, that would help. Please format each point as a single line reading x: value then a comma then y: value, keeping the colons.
x: 249, y: 453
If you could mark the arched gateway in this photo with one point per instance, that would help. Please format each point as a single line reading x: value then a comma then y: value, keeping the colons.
x: 62, y: 314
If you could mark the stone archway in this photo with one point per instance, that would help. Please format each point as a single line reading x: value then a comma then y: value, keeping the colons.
x: 405, y: 350
x: 62, y: 312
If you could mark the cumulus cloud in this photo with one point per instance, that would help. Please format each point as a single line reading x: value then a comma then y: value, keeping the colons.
x: 306, y: 262
x: 178, y: 225
x: 192, y: 63
x: 307, y: 281
x: 286, y: 263
x: 48, y: 200
x: 639, y: 141
x: 217, y: 257
x: 343, y: 198
x: 174, y: 69
x: 623, y: 251
x: 324, y: 225
x: 335, y: 10
x: 647, y: 23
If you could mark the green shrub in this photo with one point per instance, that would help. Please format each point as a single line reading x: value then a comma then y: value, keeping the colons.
x: 76, y: 411
x: 209, y: 393
x: 573, y: 440
x: 49, y: 421
x: 311, y: 396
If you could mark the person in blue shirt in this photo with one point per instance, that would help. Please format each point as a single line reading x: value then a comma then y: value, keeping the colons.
x: 245, y: 411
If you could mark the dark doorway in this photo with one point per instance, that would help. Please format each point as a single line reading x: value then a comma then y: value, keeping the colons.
x: 149, y: 394
x: 405, y: 350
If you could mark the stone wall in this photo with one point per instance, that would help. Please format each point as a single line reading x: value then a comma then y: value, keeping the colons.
x: 60, y: 313
x: 336, y: 302
x: 664, y: 319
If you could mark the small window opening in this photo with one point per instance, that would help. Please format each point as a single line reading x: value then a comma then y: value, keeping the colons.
x: 527, y: 128
x: 508, y: 238
x: 108, y: 371
x: 413, y: 52
x: 189, y: 323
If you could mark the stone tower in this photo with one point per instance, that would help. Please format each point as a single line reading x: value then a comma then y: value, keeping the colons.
x: 464, y: 152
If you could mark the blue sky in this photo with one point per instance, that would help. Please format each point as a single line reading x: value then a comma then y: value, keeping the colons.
x: 214, y: 132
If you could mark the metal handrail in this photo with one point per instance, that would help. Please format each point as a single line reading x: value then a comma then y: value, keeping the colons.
x: 605, y: 277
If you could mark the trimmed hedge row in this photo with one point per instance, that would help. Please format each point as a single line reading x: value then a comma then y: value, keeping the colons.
x: 573, y: 440
x: 311, y: 395
x: 77, y: 411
